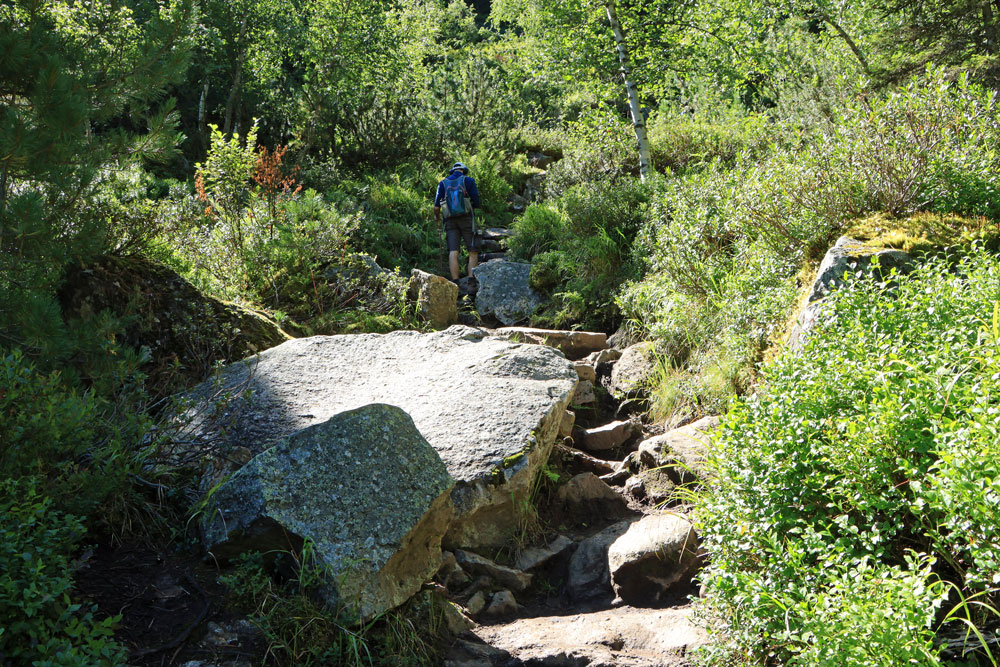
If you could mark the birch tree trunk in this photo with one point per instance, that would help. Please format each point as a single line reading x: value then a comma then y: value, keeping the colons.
x: 638, y: 120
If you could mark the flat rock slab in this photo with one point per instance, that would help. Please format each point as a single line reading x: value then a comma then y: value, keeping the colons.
x: 506, y: 576
x: 505, y: 292
x: 608, y: 436
x: 331, y: 484
x: 623, y: 637
x: 574, y: 344
x: 490, y: 408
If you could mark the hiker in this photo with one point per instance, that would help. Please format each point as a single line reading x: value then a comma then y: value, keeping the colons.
x: 458, y: 195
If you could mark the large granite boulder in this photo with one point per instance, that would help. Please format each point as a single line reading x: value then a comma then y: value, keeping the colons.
x: 491, y: 408
x: 654, y: 560
x: 436, y: 298
x: 364, y: 488
x: 504, y: 291
x: 850, y: 256
x: 185, y: 331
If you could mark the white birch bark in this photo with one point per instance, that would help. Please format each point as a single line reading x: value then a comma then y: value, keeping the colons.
x: 631, y: 90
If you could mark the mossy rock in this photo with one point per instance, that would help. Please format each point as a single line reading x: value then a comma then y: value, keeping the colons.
x: 185, y: 331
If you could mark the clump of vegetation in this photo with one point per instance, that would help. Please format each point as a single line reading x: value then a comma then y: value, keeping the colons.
x: 583, y: 244
x: 853, y: 516
x: 301, y: 629
x: 41, y: 625
x: 723, y: 248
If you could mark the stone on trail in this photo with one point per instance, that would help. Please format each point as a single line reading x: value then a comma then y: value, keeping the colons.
x: 586, y: 371
x: 682, y: 449
x: 332, y: 484
x: 476, y: 603
x: 608, y: 436
x: 586, y: 495
x: 575, y: 461
x: 566, y: 426
x: 654, y: 559
x: 532, y: 557
x: 501, y: 604
x: 496, y: 233
x: 436, y: 298
x: 584, y: 394
x: 634, y: 371
x: 624, y: 637
x: 588, y: 577
x: 490, y: 408
x: 503, y: 575
x: 574, y: 344
x: 504, y: 291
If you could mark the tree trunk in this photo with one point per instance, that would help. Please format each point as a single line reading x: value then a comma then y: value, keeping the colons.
x: 638, y: 120
x: 234, y: 91
x: 990, y: 27
x: 202, y: 127
x: 850, y: 43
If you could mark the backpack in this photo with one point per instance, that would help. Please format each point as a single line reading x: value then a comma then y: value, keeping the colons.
x: 456, y: 199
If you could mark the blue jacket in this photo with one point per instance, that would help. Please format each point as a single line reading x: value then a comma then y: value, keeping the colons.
x: 470, y: 187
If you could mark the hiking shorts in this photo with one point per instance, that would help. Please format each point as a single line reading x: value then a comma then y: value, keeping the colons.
x: 461, y: 229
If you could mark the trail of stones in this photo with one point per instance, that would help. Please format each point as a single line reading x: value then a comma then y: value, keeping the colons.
x: 608, y: 579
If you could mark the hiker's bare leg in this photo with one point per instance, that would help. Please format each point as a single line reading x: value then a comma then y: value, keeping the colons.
x: 453, y: 264
x: 473, y: 262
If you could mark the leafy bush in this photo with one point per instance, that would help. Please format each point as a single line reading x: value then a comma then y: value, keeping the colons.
x: 681, y: 142
x: 725, y: 247
x: 57, y: 435
x: 600, y: 149
x: 538, y: 230
x: 586, y: 239
x: 39, y: 625
x: 855, y: 495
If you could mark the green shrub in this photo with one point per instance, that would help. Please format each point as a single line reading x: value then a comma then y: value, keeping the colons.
x: 600, y: 149
x: 39, y: 624
x: 538, y: 230
x: 57, y: 435
x: 586, y: 238
x: 680, y: 142
x: 854, y: 500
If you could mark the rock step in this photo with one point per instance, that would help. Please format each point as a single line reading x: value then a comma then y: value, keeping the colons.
x: 624, y: 636
x: 496, y: 233
x: 574, y: 344
x: 487, y: 256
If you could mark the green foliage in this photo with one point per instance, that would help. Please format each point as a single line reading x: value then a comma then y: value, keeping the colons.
x: 82, y: 77
x: 857, y: 486
x: 39, y: 624
x: 681, y: 142
x: 583, y: 243
x: 724, y: 247
x: 62, y: 436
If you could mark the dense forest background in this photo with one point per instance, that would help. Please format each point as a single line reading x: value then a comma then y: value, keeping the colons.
x: 256, y: 147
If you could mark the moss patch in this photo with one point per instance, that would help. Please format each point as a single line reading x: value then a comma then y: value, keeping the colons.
x: 923, y: 233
